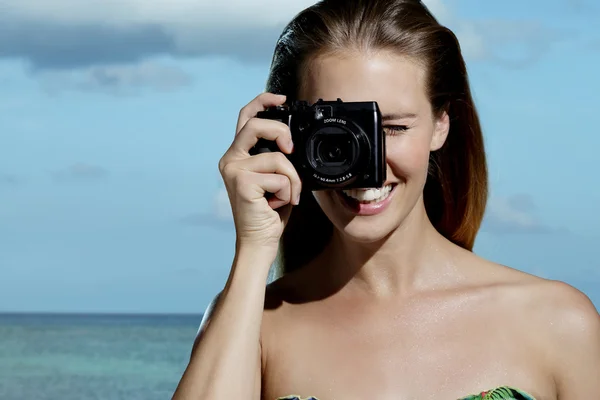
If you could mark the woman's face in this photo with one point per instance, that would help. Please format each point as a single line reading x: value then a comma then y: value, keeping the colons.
x: 397, y: 84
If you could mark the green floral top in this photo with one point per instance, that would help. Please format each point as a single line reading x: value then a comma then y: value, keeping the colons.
x: 501, y: 393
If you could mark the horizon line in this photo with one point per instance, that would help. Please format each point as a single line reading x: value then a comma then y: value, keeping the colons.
x: 99, y: 313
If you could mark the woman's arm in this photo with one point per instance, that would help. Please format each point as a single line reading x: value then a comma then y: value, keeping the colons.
x: 226, y: 358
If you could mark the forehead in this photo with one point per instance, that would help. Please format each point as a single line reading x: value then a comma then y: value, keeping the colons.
x: 395, y: 82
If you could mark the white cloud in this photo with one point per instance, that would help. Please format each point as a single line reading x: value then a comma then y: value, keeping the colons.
x: 168, y: 13
x: 74, y: 34
x: 71, y: 34
x: 504, y: 209
x: 117, y: 79
x: 180, y: 17
x: 219, y: 216
x: 495, y: 40
x: 514, y: 214
x: 473, y: 44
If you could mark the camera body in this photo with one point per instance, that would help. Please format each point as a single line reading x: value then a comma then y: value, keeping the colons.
x: 337, y: 145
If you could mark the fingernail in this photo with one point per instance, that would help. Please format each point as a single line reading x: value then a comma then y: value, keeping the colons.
x: 298, y: 200
x: 291, y: 145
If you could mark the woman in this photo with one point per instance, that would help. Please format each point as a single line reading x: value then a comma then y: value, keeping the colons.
x: 380, y: 299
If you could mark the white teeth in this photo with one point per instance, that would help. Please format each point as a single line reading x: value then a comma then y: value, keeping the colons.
x: 369, y: 195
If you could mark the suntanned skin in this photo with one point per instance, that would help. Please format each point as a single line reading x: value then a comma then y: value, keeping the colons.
x: 422, y: 318
x: 391, y: 310
x: 484, y: 326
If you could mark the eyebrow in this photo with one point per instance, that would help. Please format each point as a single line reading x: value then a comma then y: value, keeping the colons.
x: 396, y: 116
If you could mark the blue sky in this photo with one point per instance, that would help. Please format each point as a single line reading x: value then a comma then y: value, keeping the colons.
x: 112, y: 121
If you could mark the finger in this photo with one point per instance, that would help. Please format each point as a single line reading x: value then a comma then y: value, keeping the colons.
x: 277, y: 185
x: 275, y: 163
x: 259, y: 103
x: 254, y: 130
x: 258, y: 128
x: 276, y: 203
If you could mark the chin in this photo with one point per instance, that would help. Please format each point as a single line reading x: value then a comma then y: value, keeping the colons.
x: 367, y: 222
x: 366, y: 231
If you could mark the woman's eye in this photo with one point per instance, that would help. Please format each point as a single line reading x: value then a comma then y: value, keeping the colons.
x: 395, y: 129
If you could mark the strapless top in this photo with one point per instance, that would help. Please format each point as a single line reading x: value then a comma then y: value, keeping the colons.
x: 500, y: 393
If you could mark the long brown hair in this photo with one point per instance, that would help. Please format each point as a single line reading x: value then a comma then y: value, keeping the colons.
x: 456, y: 190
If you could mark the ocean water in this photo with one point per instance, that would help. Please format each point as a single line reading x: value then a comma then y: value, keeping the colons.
x: 93, y: 357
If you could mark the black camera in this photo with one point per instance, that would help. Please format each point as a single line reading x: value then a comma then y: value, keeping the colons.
x: 336, y: 144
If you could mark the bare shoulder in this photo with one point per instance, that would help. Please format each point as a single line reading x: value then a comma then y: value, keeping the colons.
x: 569, y: 316
x: 561, y: 317
x: 551, y: 308
x: 567, y: 326
x: 562, y: 302
x: 559, y: 307
x: 560, y: 321
x: 556, y: 304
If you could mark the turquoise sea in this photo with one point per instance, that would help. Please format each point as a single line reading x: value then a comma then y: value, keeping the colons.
x: 99, y: 357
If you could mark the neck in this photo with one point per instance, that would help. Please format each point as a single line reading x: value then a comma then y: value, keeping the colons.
x: 408, y: 258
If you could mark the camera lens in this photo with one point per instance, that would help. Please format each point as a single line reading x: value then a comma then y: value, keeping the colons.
x: 333, y: 151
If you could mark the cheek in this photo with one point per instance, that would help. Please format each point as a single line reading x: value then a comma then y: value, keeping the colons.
x: 407, y: 156
x: 325, y: 200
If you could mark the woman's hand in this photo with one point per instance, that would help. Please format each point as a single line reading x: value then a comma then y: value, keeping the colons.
x: 260, y: 220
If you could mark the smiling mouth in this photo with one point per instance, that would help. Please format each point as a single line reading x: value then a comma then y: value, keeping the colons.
x: 368, y: 196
